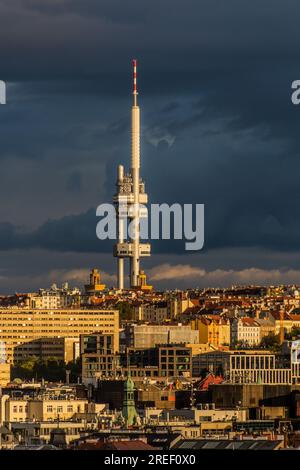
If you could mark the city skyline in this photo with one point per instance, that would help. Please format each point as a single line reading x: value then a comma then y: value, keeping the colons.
x: 149, y: 230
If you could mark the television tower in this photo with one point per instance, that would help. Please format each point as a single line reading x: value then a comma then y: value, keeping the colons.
x: 130, y: 194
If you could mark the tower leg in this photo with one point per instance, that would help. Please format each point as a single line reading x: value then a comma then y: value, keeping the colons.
x: 120, y: 273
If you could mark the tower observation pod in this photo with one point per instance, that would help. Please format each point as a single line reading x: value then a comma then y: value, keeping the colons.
x: 130, y: 194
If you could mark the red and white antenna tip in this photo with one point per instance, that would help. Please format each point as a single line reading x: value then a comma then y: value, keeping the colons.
x: 134, y: 62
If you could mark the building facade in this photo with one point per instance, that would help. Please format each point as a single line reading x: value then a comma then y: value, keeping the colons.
x: 245, y: 331
x: 98, y: 356
x: 148, y: 336
x: 46, y: 408
x: 5, y: 369
x: 213, y: 330
x: 21, y: 328
x: 175, y: 361
x: 151, y: 312
x: 259, y: 368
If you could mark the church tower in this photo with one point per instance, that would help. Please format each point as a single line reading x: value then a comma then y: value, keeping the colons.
x: 129, y: 412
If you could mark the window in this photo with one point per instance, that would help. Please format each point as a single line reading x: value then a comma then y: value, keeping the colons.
x: 70, y: 408
x: 49, y: 408
x: 60, y: 409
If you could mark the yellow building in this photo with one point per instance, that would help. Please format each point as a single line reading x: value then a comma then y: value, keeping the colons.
x: 21, y: 329
x: 200, y: 348
x: 4, y: 374
x: 142, y: 282
x: 213, y: 330
x: 40, y: 409
x: 95, y: 283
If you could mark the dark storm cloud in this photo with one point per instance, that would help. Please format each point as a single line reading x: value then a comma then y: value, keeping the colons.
x: 218, y: 126
x: 75, y: 233
x: 177, y: 43
x: 74, y: 183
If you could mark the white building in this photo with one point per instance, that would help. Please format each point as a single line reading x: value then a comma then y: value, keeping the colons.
x: 246, y: 331
x: 55, y: 297
x: 153, y: 312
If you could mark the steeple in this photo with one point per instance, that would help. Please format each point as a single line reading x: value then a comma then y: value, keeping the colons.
x: 129, y: 412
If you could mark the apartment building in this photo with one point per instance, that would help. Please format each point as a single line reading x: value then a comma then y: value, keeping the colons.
x: 54, y: 297
x: 39, y: 432
x: 288, y: 321
x: 177, y: 305
x: 21, y: 328
x: 43, y: 408
x: 213, y: 329
x: 151, y: 312
x: 63, y: 349
x: 245, y: 330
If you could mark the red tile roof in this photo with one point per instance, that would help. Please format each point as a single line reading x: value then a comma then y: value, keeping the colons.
x: 130, y: 445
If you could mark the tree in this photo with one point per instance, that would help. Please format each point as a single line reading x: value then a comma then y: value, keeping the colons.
x: 294, y: 334
x: 125, y: 311
x: 75, y: 368
x: 51, y: 369
x: 271, y: 341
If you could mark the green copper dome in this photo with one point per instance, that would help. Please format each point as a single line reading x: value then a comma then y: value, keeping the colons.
x: 129, y: 411
x: 129, y: 385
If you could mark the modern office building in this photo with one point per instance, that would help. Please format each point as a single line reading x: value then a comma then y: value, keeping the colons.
x: 175, y: 361
x: 259, y: 368
x: 148, y: 336
x: 98, y: 357
x: 215, y: 362
x: 63, y: 349
x: 21, y: 329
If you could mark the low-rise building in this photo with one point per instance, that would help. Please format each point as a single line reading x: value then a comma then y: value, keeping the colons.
x: 148, y: 335
x: 43, y: 408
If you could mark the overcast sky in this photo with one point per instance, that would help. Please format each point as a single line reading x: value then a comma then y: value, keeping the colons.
x: 218, y: 127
